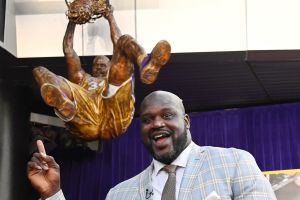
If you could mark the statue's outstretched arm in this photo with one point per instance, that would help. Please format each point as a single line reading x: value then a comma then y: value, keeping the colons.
x: 115, y: 32
x: 75, y: 71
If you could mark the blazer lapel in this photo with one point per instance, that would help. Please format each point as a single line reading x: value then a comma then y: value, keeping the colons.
x: 146, y: 190
x: 191, y: 171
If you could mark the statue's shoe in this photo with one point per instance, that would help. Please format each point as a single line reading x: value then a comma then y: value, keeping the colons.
x: 152, y: 63
x: 54, y: 97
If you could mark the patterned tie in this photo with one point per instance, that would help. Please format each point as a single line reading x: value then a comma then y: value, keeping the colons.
x: 170, y: 186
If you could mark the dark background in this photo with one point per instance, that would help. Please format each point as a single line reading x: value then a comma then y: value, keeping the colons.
x: 205, y: 81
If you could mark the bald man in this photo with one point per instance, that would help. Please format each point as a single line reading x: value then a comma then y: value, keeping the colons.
x: 209, y: 173
x: 201, y: 172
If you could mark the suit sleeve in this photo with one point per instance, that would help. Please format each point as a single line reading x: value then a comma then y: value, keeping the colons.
x: 248, y: 181
x: 109, y: 195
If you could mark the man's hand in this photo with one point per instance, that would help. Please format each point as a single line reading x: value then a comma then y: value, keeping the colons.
x: 43, y: 172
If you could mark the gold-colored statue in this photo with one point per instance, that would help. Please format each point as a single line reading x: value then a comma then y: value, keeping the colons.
x: 83, y: 11
x: 100, y: 105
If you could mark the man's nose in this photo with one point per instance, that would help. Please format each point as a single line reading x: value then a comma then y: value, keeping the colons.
x: 158, y: 123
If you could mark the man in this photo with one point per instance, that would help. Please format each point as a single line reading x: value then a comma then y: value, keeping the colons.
x: 201, y: 172
x: 100, y: 106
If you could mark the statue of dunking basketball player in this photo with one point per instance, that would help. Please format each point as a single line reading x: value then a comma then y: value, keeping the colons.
x: 100, y: 105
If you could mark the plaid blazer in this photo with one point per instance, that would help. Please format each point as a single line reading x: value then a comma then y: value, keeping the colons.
x: 230, y: 173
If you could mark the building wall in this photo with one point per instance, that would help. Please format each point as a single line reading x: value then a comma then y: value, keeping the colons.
x: 190, y: 26
x: 14, y: 138
x: 9, y: 42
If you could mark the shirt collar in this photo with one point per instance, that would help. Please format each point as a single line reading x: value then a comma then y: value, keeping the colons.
x: 180, y: 161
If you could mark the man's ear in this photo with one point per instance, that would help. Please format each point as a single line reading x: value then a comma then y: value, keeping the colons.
x: 187, y: 121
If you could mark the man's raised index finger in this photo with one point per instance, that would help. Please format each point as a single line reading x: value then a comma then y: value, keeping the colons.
x: 40, y: 146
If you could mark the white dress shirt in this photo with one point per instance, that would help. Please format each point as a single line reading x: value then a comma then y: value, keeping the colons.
x: 159, y: 177
x: 58, y: 196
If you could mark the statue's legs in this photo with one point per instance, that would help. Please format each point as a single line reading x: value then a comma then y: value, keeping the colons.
x: 149, y: 65
x: 55, y: 91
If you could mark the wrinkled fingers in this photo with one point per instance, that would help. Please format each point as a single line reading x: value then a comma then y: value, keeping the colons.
x: 40, y: 160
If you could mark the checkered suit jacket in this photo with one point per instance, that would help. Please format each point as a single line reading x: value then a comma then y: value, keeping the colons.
x: 231, y: 173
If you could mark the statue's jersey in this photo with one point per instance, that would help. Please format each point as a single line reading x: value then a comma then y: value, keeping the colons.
x: 100, y: 116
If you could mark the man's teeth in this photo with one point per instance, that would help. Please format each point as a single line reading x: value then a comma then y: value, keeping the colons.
x: 156, y: 137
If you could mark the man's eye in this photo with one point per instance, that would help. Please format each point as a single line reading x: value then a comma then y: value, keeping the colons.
x: 168, y: 116
x: 146, y: 120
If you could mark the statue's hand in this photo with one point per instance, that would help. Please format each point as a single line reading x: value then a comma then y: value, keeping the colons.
x: 108, y: 12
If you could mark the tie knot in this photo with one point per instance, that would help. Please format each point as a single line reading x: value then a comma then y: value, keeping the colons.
x: 170, y: 168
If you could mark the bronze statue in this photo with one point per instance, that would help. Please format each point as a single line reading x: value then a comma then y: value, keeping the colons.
x: 100, y: 105
x: 83, y: 11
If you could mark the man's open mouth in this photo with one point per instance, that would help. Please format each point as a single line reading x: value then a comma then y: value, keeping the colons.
x: 160, y: 136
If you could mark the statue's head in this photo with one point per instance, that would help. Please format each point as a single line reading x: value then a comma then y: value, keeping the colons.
x: 83, y: 11
x: 101, y: 66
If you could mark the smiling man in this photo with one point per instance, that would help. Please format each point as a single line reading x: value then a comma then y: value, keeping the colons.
x: 200, y: 172
x: 164, y: 126
x: 180, y: 169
